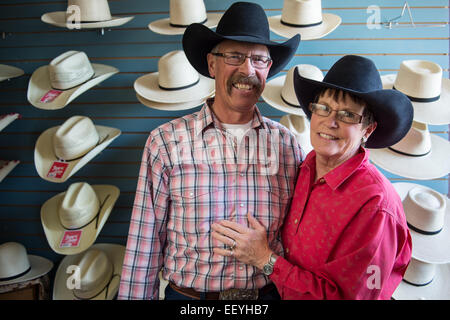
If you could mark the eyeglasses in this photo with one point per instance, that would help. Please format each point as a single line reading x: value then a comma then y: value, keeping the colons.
x: 236, y: 59
x: 342, y: 115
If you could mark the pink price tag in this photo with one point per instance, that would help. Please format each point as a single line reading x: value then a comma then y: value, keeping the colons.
x: 50, y: 96
x: 57, y: 170
x: 71, y: 239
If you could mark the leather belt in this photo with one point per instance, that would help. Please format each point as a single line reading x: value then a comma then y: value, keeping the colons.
x: 216, y: 295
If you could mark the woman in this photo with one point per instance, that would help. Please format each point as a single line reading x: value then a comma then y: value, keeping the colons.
x: 345, y: 236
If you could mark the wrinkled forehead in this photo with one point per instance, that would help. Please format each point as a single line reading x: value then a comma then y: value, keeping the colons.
x: 243, y: 47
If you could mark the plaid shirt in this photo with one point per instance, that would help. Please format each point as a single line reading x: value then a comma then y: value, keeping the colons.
x: 193, y: 173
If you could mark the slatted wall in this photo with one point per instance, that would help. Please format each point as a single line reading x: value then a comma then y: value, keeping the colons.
x: 28, y: 43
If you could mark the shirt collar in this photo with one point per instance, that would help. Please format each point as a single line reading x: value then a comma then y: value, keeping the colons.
x: 206, y: 118
x: 341, y: 173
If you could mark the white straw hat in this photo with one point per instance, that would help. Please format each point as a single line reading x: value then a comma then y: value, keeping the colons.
x: 424, y: 281
x: 8, y: 72
x: 303, y: 17
x: 279, y: 92
x: 428, y: 91
x: 419, y: 155
x: 6, y: 167
x: 175, y: 82
x: 73, y: 219
x: 428, y: 216
x: 93, y: 14
x: 299, y: 126
x: 99, y: 269
x: 6, y: 119
x: 18, y: 266
x: 61, y: 151
x: 169, y: 106
x: 182, y: 14
x: 66, y: 77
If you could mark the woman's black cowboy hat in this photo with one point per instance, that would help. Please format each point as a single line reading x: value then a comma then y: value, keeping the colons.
x: 243, y: 21
x: 359, y: 76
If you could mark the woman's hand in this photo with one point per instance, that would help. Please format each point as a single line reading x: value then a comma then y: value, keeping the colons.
x: 249, y: 244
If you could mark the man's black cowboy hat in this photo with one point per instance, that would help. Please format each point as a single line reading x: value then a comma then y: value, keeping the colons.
x: 359, y: 76
x: 243, y: 21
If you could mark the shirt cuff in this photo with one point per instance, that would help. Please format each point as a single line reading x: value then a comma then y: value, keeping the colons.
x: 281, y: 271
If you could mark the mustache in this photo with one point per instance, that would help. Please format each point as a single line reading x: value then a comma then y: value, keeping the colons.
x: 240, y: 78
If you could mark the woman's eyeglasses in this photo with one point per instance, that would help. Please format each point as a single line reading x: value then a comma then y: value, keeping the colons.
x: 342, y: 115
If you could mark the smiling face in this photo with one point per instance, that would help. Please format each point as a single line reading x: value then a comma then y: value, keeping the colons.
x: 335, y: 141
x: 238, y: 88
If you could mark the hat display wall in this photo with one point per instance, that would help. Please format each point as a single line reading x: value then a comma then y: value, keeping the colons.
x: 99, y: 267
x: 182, y: 13
x: 93, y: 14
x: 359, y: 76
x: 18, y: 266
x: 304, y: 17
x: 424, y: 281
x: 8, y: 72
x: 280, y: 94
x: 6, y: 166
x: 73, y: 219
x: 175, y: 82
x: 169, y: 106
x: 299, y: 126
x: 63, y: 150
x: 6, y: 119
x: 66, y: 77
x: 428, y: 91
x: 428, y: 215
x: 242, y: 21
x: 419, y: 155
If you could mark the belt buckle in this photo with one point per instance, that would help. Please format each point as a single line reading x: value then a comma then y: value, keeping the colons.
x: 239, y: 294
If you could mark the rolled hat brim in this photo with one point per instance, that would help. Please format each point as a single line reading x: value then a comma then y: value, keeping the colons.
x: 58, y: 19
x: 163, y: 26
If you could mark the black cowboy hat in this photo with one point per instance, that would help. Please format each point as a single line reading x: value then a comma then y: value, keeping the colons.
x: 359, y: 76
x: 243, y: 21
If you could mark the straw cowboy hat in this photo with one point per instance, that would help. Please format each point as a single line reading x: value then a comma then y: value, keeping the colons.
x: 6, y: 167
x: 6, y: 119
x: 18, y: 266
x: 63, y: 150
x: 419, y: 155
x: 92, y: 14
x: 8, y: 72
x: 428, y: 215
x: 182, y: 13
x: 424, y: 281
x: 175, y: 82
x: 242, y: 21
x: 359, y: 76
x: 299, y: 126
x: 99, y: 269
x: 280, y: 94
x: 428, y: 91
x: 73, y: 219
x: 169, y: 106
x: 66, y: 77
x: 304, y: 17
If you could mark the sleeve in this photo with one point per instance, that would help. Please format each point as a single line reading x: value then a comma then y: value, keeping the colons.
x: 147, y: 233
x: 368, y: 262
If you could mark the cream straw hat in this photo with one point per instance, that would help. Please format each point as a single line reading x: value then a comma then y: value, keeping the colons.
x: 8, y: 72
x: 299, y: 126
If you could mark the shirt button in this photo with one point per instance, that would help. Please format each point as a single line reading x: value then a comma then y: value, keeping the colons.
x: 191, y: 194
x: 287, y: 250
x: 322, y: 180
x: 296, y: 221
x: 241, y: 268
x: 241, y: 205
x: 241, y: 174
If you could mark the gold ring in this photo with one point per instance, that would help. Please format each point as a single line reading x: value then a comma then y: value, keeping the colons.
x: 233, y: 245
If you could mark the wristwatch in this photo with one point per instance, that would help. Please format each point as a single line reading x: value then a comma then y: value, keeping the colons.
x: 268, y: 267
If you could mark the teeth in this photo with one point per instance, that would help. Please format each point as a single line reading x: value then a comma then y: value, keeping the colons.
x: 242, y: 86
x: 327, y: 136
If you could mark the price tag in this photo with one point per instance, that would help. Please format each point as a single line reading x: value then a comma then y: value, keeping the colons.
x: 57, y: 170
x: 71, y: 239
x: 50, y: 96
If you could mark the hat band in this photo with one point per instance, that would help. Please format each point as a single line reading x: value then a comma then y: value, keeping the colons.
x: 180, y: 88
x: 427, y: 233
x: 417, y: 284
x: 409, y: 154
x: 92, y: 77
x: 421, y: 99
x: 100, y: 141
x: 300, y: 25
x: 288, y: 103
x: 105, y: 287
x: 16, y: 276
x: 185, y: 25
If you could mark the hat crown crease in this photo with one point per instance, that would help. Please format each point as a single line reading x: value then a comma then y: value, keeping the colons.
x: 92, y: 10
x: 69, y: 70
x: 175, y: 71
x: 185, y: 12
x: 13, y: 259
x: 302, y: 12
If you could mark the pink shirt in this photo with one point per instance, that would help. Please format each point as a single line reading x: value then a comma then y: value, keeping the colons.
x: 345, y: 236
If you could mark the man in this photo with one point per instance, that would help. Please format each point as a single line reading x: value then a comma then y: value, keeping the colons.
x: 222, y: 162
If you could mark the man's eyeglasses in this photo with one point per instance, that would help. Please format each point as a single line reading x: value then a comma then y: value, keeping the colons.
x: 342, y: 115
x: 236, y: 59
